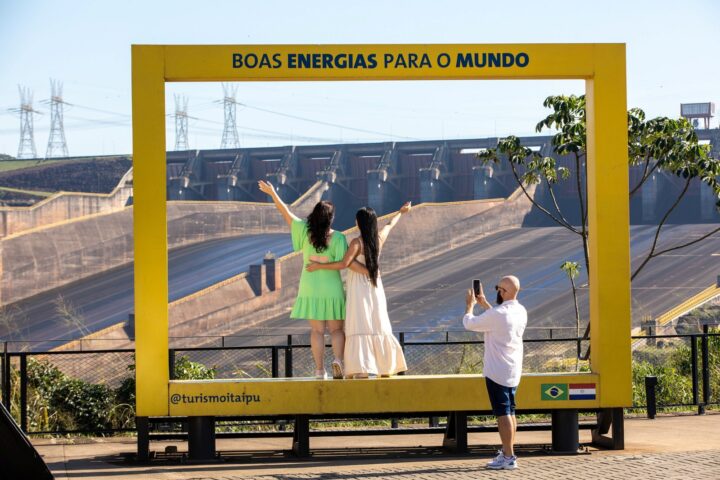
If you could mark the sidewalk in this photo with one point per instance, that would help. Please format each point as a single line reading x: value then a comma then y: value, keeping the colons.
x: 665, y: 448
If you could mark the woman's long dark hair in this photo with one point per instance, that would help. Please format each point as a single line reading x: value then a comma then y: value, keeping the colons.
x: 318, y: 225
x: 367, y: 222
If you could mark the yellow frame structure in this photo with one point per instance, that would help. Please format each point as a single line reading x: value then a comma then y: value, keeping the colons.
x: 602, y: 66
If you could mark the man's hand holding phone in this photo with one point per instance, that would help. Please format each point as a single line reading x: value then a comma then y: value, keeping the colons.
x: 469, y: 301
x: 479, y: 295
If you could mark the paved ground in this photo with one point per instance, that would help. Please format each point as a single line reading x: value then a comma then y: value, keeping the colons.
x: 685, y: 447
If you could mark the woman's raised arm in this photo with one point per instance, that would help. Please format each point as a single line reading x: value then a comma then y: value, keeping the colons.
x: 387, y: 228
x: 267, y: 187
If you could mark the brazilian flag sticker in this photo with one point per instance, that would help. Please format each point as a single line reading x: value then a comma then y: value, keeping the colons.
x: 554, y: 391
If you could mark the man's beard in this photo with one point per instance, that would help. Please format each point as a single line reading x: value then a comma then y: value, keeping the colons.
x: 499, y: 299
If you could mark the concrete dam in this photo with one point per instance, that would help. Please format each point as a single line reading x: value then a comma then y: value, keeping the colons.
x: 220, y: 285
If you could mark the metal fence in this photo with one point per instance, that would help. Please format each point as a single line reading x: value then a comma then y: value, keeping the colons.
x: 93, y: 391
x: 686, y: 369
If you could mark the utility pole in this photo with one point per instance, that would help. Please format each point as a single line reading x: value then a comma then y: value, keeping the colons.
x: 181, y: 123
x: 230, y: 138
x: 57, y: 146
x: 26, y: 149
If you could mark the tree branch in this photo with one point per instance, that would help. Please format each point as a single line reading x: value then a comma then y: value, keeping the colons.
x: 532, y: 200
x: 586, y: 336
x: 583, y: 215
x: 555, y: 203
x: 678, y: 247
x: 577, y: 321
x: 646, y: 175
x: 647, y: 164
x: 659, y: 227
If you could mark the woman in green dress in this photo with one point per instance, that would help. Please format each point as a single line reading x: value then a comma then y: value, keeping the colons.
x: 321, y: 296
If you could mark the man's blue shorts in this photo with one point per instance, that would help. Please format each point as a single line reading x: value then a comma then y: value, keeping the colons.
x: 502, y: 398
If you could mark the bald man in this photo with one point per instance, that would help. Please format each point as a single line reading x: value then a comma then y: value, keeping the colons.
x: 503, y: 327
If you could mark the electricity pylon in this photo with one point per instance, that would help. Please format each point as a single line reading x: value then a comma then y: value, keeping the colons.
x: 57, y: 146
x: 181, y: 123
x: 26, y: 149
x: 230, y: 137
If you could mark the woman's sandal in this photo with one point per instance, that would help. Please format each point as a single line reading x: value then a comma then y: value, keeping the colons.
x: 337, y: 369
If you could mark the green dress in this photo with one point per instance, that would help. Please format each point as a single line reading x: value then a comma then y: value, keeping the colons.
x: 321, y: 295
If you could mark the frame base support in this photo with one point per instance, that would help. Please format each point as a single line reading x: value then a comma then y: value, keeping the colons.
x: 456, y: 433
x: 610, y: 420
x: 201, y: 438
x: 301, y: 436
x: 565, y: 431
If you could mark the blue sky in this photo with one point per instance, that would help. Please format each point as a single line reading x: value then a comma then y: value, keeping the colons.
x: 672, y: 58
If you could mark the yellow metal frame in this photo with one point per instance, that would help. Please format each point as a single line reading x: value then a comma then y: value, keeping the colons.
x: 602, y: 66
x: 410, y: 393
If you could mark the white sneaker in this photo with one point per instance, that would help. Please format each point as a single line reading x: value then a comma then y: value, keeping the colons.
x: 501, y: 462
x: 337, y: 369
x: 321, y: 374
x: 498, y: 456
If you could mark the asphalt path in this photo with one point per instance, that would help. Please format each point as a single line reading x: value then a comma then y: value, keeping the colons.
x: 429, y: 296
x: 425, y: 297
x: 105, y: 299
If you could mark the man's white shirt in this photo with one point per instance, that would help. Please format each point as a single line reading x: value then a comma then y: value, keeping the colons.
x: 503, y: 327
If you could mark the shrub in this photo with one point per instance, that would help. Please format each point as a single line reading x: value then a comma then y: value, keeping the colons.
x: 673, y: 387
x: 187, y: 370
x: 87, y: 404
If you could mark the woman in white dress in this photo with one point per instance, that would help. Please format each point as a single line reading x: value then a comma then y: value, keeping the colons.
x: 370, y: 346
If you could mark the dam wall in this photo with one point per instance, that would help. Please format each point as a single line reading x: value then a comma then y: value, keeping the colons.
x: 428, y: 230
x: 268, y: 290
x: 64, y: 206
x: 47, y: 257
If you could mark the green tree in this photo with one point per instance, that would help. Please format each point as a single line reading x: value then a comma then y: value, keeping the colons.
x: 531, y: 168
x: 670, y: 145
x: 658, y: 144
x: 572, y: 269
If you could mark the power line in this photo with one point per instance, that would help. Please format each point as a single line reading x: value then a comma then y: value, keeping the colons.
x: 329, y: 124
x: 273, y: 132
x: 230, y: 136
x: 99, y: 110
x: 230, y: 107
x: 269, y: 134
x: 92, y: 123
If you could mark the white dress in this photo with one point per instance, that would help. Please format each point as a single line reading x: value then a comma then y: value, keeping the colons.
x: 370, y: 346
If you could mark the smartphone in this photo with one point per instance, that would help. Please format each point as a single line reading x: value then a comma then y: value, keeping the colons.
x: 476, y: 286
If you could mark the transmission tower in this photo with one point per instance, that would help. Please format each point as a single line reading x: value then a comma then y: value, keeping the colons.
x: 181, y: 123
x: 57, y: 146
x: 26, y: 149
x: 230, y: 138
